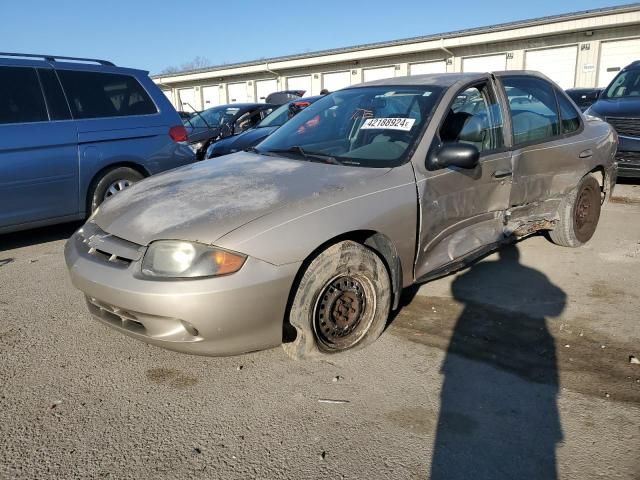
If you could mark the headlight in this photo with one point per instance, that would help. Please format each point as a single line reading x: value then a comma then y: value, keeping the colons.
x: 177, y: 259
x: 591, y: 114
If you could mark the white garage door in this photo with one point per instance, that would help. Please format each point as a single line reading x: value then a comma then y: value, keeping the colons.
x: 300, y: 83
x: 210, y: 96
x: 371, y: 74
x: 489, y: 63
x: 187, y: 98
x: 169, y: 95
x: 559, y: 64
x: 237, y: 92
x: 336, y: 80
x: 264, y: 88
x: 614, y: 56
x: 427, y: 67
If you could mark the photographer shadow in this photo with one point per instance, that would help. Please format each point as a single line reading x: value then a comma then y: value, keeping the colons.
x: 498, y: 414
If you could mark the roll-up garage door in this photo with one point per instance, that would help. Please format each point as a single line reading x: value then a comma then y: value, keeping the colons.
x: 264, y: 88
x: 336, y: 80
x: 559, y: 64
x: 169, y: 95
x: 302, y: 82
x: 614, y: 56
x: 187, y: 98
x: 370, y: 74
x: 237, y: 92
x: 488, y: 63
x: 210, y: 96
x: 427, y: 67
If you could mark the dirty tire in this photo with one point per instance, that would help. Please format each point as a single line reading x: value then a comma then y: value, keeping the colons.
x: 342, y: 302
x: 578, y: 213
x: 100, y: 186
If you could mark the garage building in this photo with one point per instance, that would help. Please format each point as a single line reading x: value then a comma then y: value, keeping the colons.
x: 583, y: 49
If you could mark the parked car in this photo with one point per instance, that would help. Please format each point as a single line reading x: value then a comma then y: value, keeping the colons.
x: 311, y: 237
x: 74, y: 132
x: 266, y: 127
x: 619, y: 104
x: 285, y: 96
x: 213, y: 124
x: 185, y: 116
x: 584, y: 97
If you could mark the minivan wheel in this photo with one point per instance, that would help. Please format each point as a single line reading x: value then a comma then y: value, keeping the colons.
x: 342, y: 302
x: 112, y: 183
x: 578, y: 213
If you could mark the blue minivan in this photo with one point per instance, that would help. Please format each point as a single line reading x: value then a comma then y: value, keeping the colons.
x: 74, y: 132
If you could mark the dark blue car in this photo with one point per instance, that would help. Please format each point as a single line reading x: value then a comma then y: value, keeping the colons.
x: 74, y: 132
x: 262, y: 130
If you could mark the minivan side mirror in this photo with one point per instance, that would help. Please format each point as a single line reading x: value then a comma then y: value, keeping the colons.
x: 462, y: 155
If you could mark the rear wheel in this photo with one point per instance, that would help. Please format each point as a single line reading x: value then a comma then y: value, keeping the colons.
x: 579, y: 213
x: 111, y: 183
x: 342, y: 302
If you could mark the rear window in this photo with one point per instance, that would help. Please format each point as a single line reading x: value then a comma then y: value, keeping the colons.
x: 95, y: 95
x: 21, y: 99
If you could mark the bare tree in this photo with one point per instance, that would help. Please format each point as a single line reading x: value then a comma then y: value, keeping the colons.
x: 195, y: 64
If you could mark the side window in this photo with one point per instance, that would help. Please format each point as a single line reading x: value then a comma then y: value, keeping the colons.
x: 534, y: 112
x: 569, y: 117
x: 95, y: 95
x: 247, y: 121
x: 475, y: 118
x: 21, y: 99
x: 57, y: 103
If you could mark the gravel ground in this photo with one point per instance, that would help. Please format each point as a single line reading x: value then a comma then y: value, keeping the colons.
x: 517, y: 368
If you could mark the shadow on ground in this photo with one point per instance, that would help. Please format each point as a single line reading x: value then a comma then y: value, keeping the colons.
x: 27, y: 238
x: 498, y: 409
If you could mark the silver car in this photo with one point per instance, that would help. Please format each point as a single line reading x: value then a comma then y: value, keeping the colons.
x: 308, y: 240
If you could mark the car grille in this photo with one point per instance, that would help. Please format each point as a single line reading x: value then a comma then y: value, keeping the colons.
x: 96, y: 243
x: 625, y: 126
x: 626, y: 158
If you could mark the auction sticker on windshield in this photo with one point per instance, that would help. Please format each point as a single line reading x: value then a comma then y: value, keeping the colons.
x: 403, y: 124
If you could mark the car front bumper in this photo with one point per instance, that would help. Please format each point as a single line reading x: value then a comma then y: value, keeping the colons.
x: 628, y: 157
x: 227, y: 315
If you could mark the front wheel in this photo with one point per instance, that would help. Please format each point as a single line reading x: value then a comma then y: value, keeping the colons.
x: 578, y: 213
x: 342, y: 302
x: 111, y: 183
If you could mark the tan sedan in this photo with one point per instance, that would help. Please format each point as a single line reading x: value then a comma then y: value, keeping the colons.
x: 308, y: 239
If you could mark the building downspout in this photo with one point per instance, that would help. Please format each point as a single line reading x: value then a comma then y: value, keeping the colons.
x: 445, y: 49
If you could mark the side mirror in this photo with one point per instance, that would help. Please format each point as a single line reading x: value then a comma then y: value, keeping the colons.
x: 460, y: 155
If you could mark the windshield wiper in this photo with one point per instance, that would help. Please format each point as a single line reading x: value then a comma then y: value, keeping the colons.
x: 310, y: 156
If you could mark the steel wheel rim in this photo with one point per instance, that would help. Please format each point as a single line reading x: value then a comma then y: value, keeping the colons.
x: 116, y: 187
x: 344, y: 311
x: 585, y: 213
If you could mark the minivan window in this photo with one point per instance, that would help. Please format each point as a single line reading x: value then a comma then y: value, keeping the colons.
x: 56, y: 101
x: 21, y: 99
x: 626, y: 84
x: 569, y: 117
x: 95, y: 95
x: 534, y: 111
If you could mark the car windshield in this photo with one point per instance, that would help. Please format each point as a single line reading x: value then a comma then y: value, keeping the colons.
x: 276, y: 118
x: 626, y: 84
x: 213, y: 117
x: 368, y: 126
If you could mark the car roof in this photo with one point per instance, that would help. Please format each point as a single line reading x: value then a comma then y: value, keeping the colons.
x: 446, y: 79
x: 64, y: 63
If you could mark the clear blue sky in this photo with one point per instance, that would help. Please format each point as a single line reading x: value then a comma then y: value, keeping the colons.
x: 155, y: 34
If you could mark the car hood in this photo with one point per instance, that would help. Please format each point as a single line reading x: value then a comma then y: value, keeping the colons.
x: 617, y: 107
x: 206, y: 200
x: 244, y: 140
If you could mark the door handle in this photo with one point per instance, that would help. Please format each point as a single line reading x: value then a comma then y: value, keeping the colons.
x: 586, y: 153
x: 502, y: 173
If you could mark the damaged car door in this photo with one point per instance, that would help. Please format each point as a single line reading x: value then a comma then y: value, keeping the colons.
x: 462, y: 205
